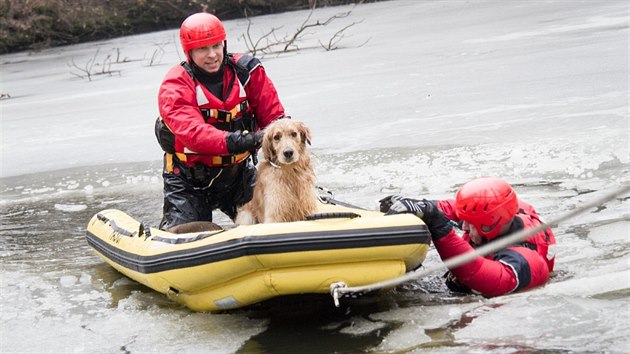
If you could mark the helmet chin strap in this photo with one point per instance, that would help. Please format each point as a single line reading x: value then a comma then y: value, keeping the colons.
x: 225, y: 52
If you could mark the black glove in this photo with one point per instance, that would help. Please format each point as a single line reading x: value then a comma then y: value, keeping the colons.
x: 427, y: 210
x: 386, y: 203
x: 454, y: 284
x: 238, y: 142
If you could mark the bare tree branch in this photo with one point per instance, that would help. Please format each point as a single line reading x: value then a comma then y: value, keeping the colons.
x: 338, y: 36
x: 306, y: 25
x: 88, y: 70
x: 270, y: 42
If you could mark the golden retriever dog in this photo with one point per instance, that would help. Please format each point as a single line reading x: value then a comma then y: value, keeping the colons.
x: 285, y: 180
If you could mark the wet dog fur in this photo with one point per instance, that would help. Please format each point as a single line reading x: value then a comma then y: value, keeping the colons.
x: 285, y: 180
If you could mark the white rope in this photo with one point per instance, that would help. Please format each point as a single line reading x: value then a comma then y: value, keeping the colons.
x: 338, y: 289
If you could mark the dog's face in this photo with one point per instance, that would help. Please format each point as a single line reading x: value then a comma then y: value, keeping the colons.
x: 285, y: 141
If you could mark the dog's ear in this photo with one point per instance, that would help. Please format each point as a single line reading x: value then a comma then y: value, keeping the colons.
x: 267, y: 144
x: 306, y: 133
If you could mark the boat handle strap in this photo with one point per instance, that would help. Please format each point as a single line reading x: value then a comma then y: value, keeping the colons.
x: 322, y: 216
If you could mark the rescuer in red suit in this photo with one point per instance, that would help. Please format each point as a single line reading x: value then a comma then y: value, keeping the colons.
x: 213, y: 108
x: 487, y: 209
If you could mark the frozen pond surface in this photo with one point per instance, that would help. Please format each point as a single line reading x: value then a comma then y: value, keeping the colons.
x: 421, y: 97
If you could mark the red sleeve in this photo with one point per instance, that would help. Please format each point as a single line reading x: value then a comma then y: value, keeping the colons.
x: 263, y: 97
x: 177, y: 102
x: 511, y: 269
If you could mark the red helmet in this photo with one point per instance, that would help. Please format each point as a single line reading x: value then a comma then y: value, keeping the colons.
x: 487, y: 203
x: 200, y: 30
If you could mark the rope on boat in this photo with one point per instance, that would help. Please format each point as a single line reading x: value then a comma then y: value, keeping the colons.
x: 340, y: 288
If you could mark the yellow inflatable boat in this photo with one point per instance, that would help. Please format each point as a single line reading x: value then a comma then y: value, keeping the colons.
x: 232, y: 268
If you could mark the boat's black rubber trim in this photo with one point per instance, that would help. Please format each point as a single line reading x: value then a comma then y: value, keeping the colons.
x: 267, y: 244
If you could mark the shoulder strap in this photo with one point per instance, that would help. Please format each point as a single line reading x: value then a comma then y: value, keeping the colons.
x: 243, y: 66
x: 248, y: 62
x: 188, y: 69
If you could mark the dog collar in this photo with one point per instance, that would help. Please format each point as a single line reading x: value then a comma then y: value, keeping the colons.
x: 273, y: 164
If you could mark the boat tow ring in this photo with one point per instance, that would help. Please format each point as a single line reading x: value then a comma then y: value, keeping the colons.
x: 335, y: 289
